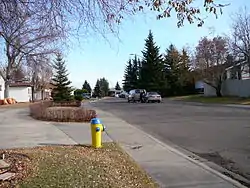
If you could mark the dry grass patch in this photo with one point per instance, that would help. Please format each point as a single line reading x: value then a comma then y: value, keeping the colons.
x: 219, y: 100
x: 80, y: 166
x: 17, y: 105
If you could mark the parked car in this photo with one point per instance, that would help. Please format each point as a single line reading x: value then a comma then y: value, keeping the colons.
x: 153, y: 97
x: 123, y: 94
x: 134, y: 95
x: 117, y: 93
x: 86, y: 95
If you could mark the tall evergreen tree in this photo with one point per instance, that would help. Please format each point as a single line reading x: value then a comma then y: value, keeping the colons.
x: 117, y: 86
x: 171, y: 65
x: 86, y: 86
x: 135, y: 73
x: 151, y: 74
x: 97, y: 89
x: 186, y: 76
x: 131, y: 74
x: 127, y: 76
x: 62, y: 90
x: 104, y: 87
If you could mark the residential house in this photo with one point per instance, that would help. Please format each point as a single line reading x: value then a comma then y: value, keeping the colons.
x: 21, y: 91
x: 1, y: 87
x: 237, y: 82
x: 113, y: 92
x: 239, y: 71
x: 199, y: 86
x: 44, y: 94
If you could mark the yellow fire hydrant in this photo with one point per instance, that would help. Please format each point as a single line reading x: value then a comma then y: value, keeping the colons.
x: 96, y: 131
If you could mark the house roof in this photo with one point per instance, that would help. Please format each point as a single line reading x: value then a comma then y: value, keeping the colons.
x: 21, y: 84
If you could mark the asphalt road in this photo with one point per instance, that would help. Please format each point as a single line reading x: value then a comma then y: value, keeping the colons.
x: 220, y: 134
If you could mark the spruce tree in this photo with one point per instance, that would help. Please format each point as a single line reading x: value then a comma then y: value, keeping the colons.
x: 117, y: 86
x: 186, y: 77
x: 134, y: 73
x: 172, y: 70
x: 97, y: 89
x: 104, y: 87
x: 86, y: 86
x: 62, y: 90
x: 131, y: 74
x: 127, y: 76
x: 151, y: 71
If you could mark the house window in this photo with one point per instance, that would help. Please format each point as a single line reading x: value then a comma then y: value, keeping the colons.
x: 29, y: 90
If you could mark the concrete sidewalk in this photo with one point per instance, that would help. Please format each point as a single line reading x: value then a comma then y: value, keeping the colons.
x: 17, y: 129
x: 168, y: 166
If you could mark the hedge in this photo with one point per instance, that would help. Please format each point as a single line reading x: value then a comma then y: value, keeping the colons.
x: 67, y: 112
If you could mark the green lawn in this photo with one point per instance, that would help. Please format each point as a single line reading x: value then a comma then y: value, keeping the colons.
x: 82, y: 166
x: 220, y: 100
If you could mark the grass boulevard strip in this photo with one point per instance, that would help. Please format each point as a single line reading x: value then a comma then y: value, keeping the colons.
x: 74, y: 166
x: 213, y: 100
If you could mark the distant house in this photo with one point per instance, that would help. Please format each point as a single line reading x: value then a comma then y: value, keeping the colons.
x: 20, y: 91
x: 113, y: 92
x: 237, y: 82
x: 199, y: 86
x: 44, y: 93
x: 1, y: 88
x: 239, y: 71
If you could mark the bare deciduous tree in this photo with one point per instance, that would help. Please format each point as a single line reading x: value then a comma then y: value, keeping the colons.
x: 40, y: 73
x: 240, y: 36
x: 23, y: 37
x: 18, y: 74
x: 212, y: 61
x: 102, y: 14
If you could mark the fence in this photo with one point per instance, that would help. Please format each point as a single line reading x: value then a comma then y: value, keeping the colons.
x: 230, y: 87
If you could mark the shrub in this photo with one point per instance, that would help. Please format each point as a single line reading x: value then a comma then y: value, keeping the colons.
x: 78, y: 97
x: 69, y: 114
x: 38, y: 109
x: 46, y: 110
x: 80, y: 92
x: 67, y: 103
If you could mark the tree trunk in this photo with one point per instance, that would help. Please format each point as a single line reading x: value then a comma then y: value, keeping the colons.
x: 6, y: 89
x: 32, y: 93
x: 218, y: 93
x: 42, y: 94
x: 218, y: 90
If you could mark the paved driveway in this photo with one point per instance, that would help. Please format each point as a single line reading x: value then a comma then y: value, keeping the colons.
x: 17, y: 129
x: 221, y: 134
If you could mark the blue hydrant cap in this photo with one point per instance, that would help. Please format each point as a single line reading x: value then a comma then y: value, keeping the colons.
x: 95, y: 121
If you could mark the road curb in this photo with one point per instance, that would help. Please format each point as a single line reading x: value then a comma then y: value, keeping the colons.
x: 199, y: 161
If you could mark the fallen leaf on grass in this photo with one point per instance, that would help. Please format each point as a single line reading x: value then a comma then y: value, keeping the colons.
x: 79, y: 166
